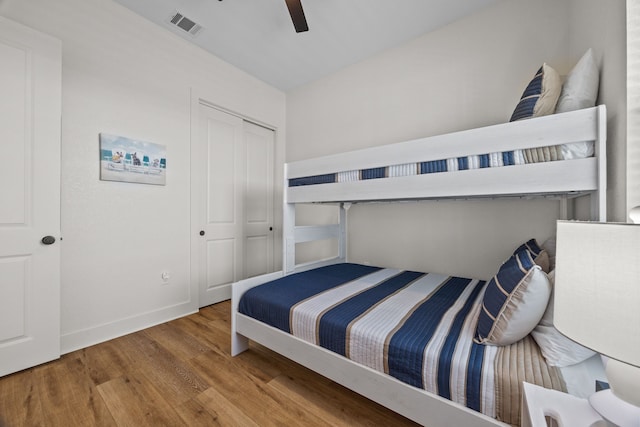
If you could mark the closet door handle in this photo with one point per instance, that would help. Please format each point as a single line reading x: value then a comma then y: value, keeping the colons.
x: 202, y: 232
x: 48, y: 240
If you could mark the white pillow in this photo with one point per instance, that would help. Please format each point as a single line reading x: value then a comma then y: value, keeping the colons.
x: 557, y: 349
x: 580, y: 90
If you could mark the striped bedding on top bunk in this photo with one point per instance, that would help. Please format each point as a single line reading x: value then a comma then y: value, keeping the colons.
x: 416, y: 327
x: 507, y: 158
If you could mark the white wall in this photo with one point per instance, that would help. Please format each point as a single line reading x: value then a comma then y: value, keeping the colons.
x: 126, y: 76
x: 468, y: 74
x: 633, y: 104
x: 602, y: 26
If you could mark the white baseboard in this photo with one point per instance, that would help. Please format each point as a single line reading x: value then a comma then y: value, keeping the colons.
x: 77, y: 340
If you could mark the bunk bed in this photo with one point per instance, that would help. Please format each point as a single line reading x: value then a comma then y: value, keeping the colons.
x: 478, y: 163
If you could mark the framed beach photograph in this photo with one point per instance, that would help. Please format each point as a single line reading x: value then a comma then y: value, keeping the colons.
x: 128, y: 160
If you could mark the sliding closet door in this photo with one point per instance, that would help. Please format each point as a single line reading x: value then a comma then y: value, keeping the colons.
x: 258, y: 200
x: 234, y: 204
x: 30, y: 197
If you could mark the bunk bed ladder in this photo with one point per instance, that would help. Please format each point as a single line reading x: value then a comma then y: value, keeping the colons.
x: 294, y: 234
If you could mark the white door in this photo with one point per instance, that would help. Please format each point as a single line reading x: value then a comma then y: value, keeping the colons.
x: 30, y: 86
x: 258, y: 200
x: 233, y: 166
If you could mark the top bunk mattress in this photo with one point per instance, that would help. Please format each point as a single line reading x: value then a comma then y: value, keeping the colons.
x: 416, y: 327
x: 511, y: 159
x: 481, y: 161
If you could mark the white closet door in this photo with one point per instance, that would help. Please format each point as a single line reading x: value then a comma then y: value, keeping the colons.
x: 222, y: 234
x: 232, y: 184
x: 30, y: 84
x: 258, y: 227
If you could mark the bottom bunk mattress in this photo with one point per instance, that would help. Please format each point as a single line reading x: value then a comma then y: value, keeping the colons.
x: 416, y: 327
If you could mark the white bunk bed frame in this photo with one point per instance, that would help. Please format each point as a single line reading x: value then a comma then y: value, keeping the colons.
x: 559, y: 179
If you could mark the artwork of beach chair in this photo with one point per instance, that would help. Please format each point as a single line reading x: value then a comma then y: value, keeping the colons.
x: 154, y: 166
x: 114, y: 160
x: 131, y: 166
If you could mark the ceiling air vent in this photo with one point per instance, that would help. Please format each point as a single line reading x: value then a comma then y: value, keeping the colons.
x: 184, y: 23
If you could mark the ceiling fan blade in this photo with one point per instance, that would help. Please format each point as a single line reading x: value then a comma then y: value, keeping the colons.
x: 297, y: 15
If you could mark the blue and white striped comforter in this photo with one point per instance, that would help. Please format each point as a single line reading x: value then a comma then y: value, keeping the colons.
x: 416, y: 327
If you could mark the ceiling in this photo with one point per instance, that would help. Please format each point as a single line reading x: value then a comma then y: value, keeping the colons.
x: 258, y: 37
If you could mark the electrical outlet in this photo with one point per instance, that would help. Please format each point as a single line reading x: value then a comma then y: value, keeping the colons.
x: 165, y: 277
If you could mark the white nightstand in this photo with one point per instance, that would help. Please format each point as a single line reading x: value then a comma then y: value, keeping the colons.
x: 566, y: 410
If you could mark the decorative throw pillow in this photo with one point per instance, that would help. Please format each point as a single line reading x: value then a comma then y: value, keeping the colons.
x: 540, y: 255
x: 539, y: 99
x: 514, y: 301
x: 540, y: 96
x: 557, y: 349
x: 549, y: 246
x: 580, y: 90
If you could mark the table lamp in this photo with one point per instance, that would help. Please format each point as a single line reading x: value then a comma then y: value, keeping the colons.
x: 597, y: 304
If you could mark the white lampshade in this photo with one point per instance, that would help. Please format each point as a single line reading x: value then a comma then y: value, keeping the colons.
x: 597, y: 287
x: 597, y: 304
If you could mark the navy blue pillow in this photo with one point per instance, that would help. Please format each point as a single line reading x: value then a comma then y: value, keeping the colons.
x: 540, y: 256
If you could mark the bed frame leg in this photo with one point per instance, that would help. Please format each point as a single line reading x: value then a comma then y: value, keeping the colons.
x: 239, y: 344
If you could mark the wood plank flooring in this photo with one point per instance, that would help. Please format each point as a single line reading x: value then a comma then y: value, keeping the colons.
x: 181, y: 373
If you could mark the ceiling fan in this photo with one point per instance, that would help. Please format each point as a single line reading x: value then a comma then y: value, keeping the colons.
x: 297, y: 15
